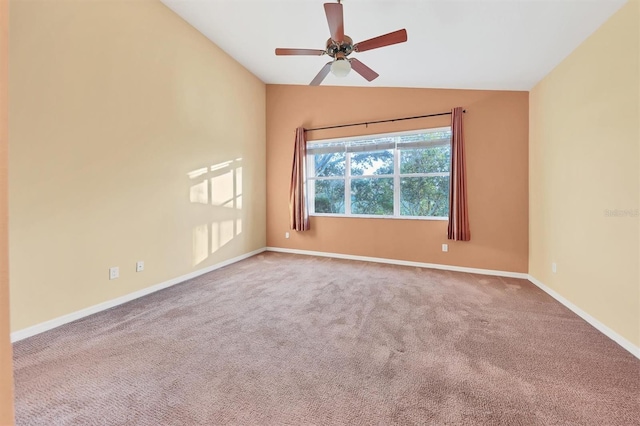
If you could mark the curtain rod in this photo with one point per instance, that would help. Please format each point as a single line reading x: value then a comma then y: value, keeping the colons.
x: 391, y: 120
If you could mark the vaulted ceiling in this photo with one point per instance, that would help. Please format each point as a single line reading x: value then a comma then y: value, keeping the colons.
x: 479, y: 44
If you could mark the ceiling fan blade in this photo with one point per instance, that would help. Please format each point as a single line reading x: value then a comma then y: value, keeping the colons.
x: 363, y: 70
x: 335, y: 20
x: 321, y: 75
x: 395, y: 37
x: 312, y: 52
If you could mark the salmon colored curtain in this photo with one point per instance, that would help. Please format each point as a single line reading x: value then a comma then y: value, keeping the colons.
x: 298, y: 209
x: 458, y: 215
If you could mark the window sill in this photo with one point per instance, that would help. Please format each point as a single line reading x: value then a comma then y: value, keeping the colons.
x: 354, y: 216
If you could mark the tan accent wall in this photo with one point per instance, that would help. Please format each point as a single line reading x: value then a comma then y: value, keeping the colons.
x: 6, y: 370
x: 132, y: 137
x: 584, y: 137
x: 496, y: 130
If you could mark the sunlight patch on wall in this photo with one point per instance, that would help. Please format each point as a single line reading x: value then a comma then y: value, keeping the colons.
x: 222, y: 165
x: 200, y: 243
x: 223, y: 232
x: 196, y: 173
x: 215, y: 237
x: 199, y: 193
x: 238, y: 182
x: 226, y: 232
x: 226, y: 185
x: 222, y: 189
x: 238, y: 189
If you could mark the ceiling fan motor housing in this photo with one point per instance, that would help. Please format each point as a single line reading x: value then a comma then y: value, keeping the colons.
x: 339, y: 50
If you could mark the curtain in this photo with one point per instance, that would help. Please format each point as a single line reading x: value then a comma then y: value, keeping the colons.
x: 458, y: 215
x: 298, y: 209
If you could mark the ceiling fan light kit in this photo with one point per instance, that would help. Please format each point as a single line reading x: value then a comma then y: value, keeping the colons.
x: 340, y: 67
x: 340, y: 46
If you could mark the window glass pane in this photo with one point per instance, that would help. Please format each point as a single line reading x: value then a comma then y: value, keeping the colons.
x: 372, y: 196
x: 372, y: 163
x: 426, y: 160
x: 332, y: 164
x: 329, y: 196
x: 424, y: 196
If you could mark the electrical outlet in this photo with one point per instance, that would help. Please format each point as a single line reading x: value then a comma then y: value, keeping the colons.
x: 114, y: 272
x: 445, y: 247
x: 140, y: 266
x: 554, y: 267
x: 286, y: 235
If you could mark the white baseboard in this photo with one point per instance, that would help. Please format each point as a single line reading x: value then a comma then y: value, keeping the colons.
x: 57, y: 322
x: 633, y: 349
x: 521, y: 275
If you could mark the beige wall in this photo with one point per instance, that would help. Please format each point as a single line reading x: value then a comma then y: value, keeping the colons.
x: 584, y: 135
x: 6, y: 372
x: 496, y: 139
x: 119, y: 112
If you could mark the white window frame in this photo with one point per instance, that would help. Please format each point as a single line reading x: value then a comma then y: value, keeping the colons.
x: 397, y: 176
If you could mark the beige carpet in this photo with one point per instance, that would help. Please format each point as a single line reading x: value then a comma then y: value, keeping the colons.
x: 286, y: 340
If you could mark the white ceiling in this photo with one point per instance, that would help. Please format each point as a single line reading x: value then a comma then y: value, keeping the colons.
x: 474, y: 44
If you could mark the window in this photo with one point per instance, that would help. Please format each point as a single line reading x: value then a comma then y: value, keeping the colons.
x: 394, y: 175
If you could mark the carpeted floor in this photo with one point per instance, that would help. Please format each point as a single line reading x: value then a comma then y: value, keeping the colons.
x: 285, y: 340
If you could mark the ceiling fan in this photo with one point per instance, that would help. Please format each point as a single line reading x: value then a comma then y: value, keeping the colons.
x: 340, y: 46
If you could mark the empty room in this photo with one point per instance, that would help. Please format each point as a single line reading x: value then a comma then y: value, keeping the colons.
x: 282, y: 212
